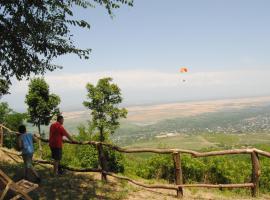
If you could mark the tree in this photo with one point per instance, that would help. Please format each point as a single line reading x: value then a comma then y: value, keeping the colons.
x: 12, y: 120
x: 33, y: 33
x: 105, y: 114
x: 103, y: 101
x: 42, y: 106
x: 4, y: 111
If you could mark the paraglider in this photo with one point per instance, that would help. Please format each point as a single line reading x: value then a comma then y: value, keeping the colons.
x: 183, y: 70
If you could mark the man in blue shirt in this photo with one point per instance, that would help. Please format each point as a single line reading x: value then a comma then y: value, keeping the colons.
x: 25, y: 144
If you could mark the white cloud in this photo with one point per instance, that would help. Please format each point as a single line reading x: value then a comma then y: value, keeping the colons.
x: 140, y: 86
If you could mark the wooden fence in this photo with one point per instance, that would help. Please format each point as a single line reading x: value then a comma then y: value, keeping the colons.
x: 176, y: 156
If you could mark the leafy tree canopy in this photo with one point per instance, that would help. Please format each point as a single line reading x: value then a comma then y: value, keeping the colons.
x: 34, y: 32
x: 4, y: 87
x: 42, y: 106
x: 103, y: 103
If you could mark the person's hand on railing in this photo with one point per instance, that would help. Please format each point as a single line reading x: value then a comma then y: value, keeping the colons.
x: 74, y: 142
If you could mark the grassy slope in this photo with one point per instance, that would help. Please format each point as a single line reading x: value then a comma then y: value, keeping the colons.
x: 88, y: 186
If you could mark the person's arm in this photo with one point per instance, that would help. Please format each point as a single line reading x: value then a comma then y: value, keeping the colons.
x: 65, y: 133
x: 35, y: 140
x: 71, y: 139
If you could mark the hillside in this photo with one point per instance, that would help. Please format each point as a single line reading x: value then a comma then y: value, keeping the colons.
x: 88, y: 186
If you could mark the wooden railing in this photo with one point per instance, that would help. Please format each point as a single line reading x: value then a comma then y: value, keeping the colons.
x: 176, y: 156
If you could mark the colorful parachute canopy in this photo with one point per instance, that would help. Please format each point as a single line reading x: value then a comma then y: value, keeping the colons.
x: 183, y: 69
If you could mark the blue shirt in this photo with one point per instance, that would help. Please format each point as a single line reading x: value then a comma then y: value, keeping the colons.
x: 27, y: 143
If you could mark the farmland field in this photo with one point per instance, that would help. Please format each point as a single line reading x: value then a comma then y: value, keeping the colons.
x: 206, y: 140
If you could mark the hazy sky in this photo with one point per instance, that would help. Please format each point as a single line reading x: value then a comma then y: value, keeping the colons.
x: 224, y: 43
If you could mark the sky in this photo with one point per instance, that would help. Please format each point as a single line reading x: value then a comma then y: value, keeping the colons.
x: 225, y: 45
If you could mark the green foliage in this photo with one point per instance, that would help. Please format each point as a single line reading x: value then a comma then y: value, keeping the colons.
x: 215, y: 170
x: 88, y: 155
x: 4, y: 111
x: 103, y: 100
x: 193, y: 169
x: 115, y: 160
x: 42, y: 105
x: 44, y: 33
x: 158, y: 167
x: 4, y: 87
x: 229, y: 169
x: 12, y: 120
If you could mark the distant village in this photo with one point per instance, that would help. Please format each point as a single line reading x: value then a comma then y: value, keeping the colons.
x: 258, y: 124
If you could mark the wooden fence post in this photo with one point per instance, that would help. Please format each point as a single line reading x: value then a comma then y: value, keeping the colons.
x: 1, y: 136
x: 102, y: 162
x: 255, y: 173
x: 178, y: 173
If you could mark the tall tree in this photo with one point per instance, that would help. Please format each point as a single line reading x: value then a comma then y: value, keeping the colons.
x: 104, y: 99
x: 42, y: 106
x: 34, y: 32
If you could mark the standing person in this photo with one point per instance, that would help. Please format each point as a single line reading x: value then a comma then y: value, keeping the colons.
x: 25, y: 144
x: 57, y: 131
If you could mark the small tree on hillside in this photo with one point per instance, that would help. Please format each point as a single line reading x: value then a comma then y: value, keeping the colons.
x: 42, y: 105
x: 105, y: 114
x: 103, y: 103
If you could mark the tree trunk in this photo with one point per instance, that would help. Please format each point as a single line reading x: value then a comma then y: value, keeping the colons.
x: 39, y: 141
x: 101, y: 136
x: 1, y: 136
x: 101, y: 156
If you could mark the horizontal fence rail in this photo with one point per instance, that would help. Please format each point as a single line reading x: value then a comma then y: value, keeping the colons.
x: 176, y: 156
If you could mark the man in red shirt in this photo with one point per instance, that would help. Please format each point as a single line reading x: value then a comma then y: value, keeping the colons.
x: 57, y: 131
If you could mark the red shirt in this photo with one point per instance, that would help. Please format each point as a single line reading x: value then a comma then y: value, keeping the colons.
x: 57, y: 131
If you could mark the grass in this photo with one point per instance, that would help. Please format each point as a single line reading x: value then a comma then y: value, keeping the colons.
x: 71, y: 185
x: 88, y: 186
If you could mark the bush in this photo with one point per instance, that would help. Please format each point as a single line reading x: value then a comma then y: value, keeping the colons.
x: 193, y: 169
x: 160, y: 166
x: 215, y: 170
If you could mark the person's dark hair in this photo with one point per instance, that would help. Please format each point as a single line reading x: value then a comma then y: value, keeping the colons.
x: 59, y: 118
x: 22, y: 129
